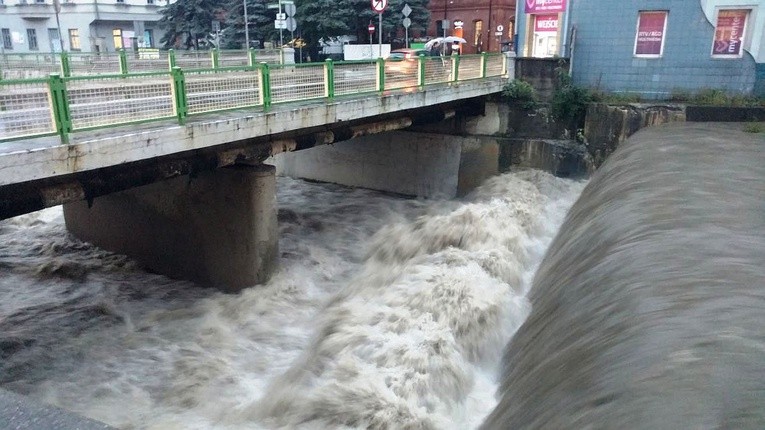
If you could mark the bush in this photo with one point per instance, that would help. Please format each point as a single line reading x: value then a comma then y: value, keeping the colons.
x: 754, y: 128
x: 521, y: 93
x: 710, y: 96
x: 569, y: 102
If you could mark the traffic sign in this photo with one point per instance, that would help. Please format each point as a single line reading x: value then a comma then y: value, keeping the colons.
x: 371, y: 28
x: 379, y: 5
x: 406, y: 22
x: 289, y: 9
x: 281, y: 16
x: 406, y: 10
x: 280, y: 24
x: 291, y: 24
x: 500, y: 28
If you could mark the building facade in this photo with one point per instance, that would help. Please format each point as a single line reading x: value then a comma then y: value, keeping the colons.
x: 78, y: 25
x: 484, y: 24
x: 651, y: 47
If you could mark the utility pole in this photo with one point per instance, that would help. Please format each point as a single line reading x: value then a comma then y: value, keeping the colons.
x: 246, y: 27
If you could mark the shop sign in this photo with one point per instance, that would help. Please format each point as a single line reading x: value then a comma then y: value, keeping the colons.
x: 650, y: 34
x: 545, y: 6
x: 729, y: 33
x: 546, y: 23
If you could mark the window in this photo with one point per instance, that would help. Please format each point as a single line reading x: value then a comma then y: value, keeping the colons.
x: 7, y: 42
x: 729, y: 33
x: 32, y: 38
x: 649, y: 36
x: 74, y: 39
x: 148, y: 38
x: 149, y: 1
x: 120, y: 1
x: 39, y: 1
x: 117, y: 36
x: 477, y: 31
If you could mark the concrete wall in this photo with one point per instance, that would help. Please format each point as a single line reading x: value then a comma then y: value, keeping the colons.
x: 217, y: 229
x: 417, y: 164
x: 605, y: 39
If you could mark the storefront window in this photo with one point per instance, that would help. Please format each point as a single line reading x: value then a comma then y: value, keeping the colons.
x: 649, y: 37
x: 545, y: 35
x: 729, y: 33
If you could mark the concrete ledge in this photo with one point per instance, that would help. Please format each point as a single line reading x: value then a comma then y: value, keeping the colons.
x: 724, y: 114
x: 19, y: 413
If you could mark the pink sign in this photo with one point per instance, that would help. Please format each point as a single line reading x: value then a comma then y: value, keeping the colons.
x: 545, y: 6
x: 546, y: 23
x: 650, y: 33
x: 729, y: 34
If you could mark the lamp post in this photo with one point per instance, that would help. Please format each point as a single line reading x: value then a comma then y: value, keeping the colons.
x: 246, y: 27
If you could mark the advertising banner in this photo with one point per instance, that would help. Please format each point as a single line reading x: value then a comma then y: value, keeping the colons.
x: 650, y: 33
x: 729, y: 33
x: 545, y: 6
x: 546, y: 23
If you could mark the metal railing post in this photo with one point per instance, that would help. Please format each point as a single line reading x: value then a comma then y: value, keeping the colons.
x: 455, y: 68
x: 265, y: 86
x: 251, y: 57
x: 329, y: 79
x: 215, y: 58
x: 380, y: 75
x: 483, y: 64
x: 179, y: 95
x: 123, y: 62
x: 171, y: 59
x: 421, y: 70
x: 66, y: 69
x: 60, y: 106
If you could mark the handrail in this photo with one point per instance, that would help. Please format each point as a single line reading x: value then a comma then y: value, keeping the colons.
x: 61, y: 105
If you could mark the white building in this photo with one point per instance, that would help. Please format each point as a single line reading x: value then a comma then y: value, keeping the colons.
x: 85, y: 25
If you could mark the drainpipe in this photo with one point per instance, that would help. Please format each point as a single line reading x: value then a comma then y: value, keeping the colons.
x: 566, y: 14
x: 490, y: 30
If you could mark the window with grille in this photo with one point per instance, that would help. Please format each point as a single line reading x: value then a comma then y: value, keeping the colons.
x: 7, y: 42
x: 32, y: 38
x: 74, y: 39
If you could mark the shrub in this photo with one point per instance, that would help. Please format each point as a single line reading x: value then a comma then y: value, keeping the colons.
x: 521, y: 93
x: 569, y: 102
x: 710, y: 96
x: 754, y: 128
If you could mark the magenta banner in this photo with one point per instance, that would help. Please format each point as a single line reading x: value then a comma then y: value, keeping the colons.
x: 729, y: 34
x: 545, y: 6
x: 650, y: 33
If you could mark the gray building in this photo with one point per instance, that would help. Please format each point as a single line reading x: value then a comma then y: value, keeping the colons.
x: 651, y: 47
x: 85, y: 25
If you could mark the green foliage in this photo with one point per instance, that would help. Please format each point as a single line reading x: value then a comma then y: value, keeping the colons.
x: 569, y: 102
x: 187, y: 22
x: 680, y: 95
x: 521, y: 93
x: 261, y: 25
x: 754, y: 127
x: 710, y: 96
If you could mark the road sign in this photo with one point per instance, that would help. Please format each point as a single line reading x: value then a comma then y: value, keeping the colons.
x: 379, y: 5
x: 406, y: 22
x: 281, y: 16
x: 289, y: 9
x: 291, y: 24
x: 498, y: 33
x: 371, y: 28
x: 500, y: 28
x: 280, y: 24
x: 406, y: 10
x: 458, y: 24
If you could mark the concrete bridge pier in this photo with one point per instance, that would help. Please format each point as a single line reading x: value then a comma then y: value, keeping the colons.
x: 413, y: 163
x: 218, y: 228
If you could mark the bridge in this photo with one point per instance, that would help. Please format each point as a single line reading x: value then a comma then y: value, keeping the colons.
x: 167, y: 166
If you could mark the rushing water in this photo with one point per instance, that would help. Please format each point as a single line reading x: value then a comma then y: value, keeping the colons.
x: 386, y: 313
x: 649, y: 307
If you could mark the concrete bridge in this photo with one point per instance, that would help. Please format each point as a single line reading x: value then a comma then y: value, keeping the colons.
x: 167, y: 167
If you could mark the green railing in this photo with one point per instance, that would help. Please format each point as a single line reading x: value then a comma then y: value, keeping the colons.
x: 60, y: 105
x: 30, y: 65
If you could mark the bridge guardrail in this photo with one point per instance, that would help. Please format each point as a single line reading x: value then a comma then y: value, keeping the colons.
x: 69, y: 104
x: 40, y: 65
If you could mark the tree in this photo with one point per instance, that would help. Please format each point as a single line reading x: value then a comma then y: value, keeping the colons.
x: 261, y: 20
x: 187, y: 22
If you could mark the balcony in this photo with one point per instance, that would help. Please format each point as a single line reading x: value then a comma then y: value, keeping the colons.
x: 34, y: 9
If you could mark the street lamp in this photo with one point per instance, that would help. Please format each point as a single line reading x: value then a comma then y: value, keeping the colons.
x: 246, y: 27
